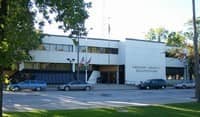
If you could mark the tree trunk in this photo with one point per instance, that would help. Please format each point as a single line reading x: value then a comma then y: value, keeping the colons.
x: 196, y: 55
x: 3, y: 13
x: 1, y: 92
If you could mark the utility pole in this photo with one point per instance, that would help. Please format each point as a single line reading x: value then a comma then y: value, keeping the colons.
x: 196, y: 54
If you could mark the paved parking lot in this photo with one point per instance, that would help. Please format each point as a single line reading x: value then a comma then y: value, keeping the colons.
x: 28, y: 100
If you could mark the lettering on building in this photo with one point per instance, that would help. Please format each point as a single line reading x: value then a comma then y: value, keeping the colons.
x: 146, y: 68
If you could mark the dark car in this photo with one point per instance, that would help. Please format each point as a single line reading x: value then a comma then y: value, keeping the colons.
x: 75, y: 85
x: 153, y: 84
x: 28, y: 84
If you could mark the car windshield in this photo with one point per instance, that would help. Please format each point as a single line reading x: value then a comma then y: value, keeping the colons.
x: 187, y: 81
x: 77, y: 82
x: 24, y: 82
x: 147, y: 81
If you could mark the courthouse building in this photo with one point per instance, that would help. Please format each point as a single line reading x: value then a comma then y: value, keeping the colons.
x: 127, y: 61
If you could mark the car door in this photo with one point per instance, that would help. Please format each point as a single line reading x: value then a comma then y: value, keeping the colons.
x: 75, y: 85
x: 153, y: 84
x: 190, y: 84
x: 82, y: 85
x: 32, y: 84
x: 25, y: 84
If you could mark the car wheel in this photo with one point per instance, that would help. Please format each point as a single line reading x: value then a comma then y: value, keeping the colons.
x: 16, y: 88
x: 184, y: 87
x: 66, y: 88
x: 163, y: 87
x: 147, y: 87
x: 38, y: 89
x: 87, y: 88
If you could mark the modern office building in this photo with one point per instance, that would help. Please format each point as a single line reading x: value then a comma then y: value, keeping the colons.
x: 126, y: 61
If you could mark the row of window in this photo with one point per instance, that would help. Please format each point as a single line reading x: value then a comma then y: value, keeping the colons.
x: 47, y: 66
x: 69, y: 48
x: 53, y: 66
x: 56, y: 47
x: 92, y: 49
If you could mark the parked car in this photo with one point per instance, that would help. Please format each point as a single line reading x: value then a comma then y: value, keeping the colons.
x: 75, y: 85
x: 28, y: 84
x: 153, y: 84
x: 185, y: 84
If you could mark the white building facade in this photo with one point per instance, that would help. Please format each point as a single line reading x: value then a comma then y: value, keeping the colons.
x: 101, y: 61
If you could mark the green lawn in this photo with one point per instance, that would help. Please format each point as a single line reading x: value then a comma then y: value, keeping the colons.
x: 172, y: 110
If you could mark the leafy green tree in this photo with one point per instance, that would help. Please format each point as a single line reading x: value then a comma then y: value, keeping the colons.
x: 157, y: 34
x: 163, y: 35
x: 176, y: 39
x: 17, y: 27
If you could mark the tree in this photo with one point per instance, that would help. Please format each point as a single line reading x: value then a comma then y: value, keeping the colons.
x: 157, y: 34
x: 179, y: 53
x: 176, y: 39
x: 17, y: 27
x: 193, y: 34
x: 170, y: 38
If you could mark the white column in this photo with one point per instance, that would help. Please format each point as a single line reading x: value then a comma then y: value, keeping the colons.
x: 117, y: 75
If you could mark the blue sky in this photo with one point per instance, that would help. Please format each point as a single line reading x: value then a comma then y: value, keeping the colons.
x: 133, y: 18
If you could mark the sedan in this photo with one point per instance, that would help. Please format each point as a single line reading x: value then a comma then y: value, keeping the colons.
x: 152, y: 84
x: 185, y: 84
x: 28, y: 84
x: 75, y: 85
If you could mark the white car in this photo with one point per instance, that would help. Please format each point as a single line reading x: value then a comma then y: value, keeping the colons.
x: 75, y: 85
x: 185, y: 84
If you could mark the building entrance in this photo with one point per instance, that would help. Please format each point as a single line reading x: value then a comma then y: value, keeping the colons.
x: 110, y: 74
x: 108, y: 78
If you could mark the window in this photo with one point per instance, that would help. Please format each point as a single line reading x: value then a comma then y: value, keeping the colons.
x: 53, y: 47
x: 92, y: 49
x: 60, y: 48
x: 107, y: 50
x: 56, y: 47
x: 68, y: 48
x: 46, y: 47
x: 114, y: 50
x: 102, y: 50
x: 28, y: 65
x: 82, y: 49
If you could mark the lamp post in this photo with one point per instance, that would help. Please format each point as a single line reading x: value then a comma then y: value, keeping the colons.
x: 185, y: 61
x: 78, y: 49
x: 71, y: 61
x: 86, y: 64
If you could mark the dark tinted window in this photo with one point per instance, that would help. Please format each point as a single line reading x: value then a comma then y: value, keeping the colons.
x: 26, y: 81
x: 75, y: 82
x: 102, y: 50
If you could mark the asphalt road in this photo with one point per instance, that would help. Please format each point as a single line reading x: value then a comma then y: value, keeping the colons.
x: 29, y: 100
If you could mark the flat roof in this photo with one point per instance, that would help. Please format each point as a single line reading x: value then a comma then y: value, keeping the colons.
x: 131, y: 39
x: 104, y: 39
